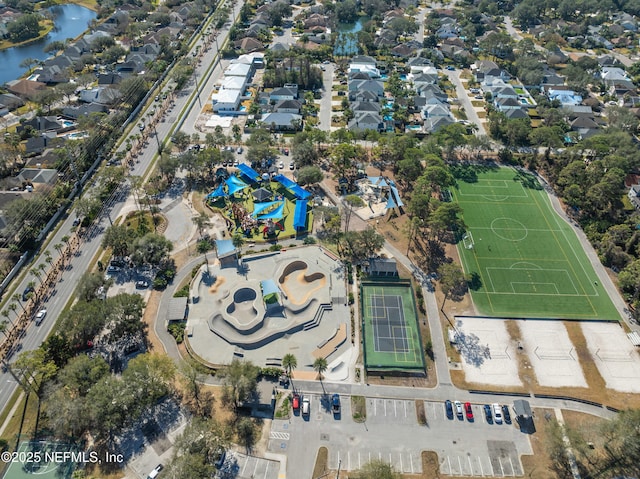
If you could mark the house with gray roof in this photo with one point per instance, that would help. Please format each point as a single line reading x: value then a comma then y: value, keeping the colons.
x: 282, y: 121
x: 364, y: 120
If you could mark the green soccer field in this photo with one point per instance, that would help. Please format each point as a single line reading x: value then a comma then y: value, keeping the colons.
x: 525, y: 261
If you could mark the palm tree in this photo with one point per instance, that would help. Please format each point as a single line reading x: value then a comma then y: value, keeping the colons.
x: 320, y: 366
x: 13, y: 307
x: 47, y: 256
x: 37, y: 274
x: 5, y: 313
x: 16, y: 297
x: 238, y: 241
x: 289, y: 363
x: 3, y: 328
x: 202, y: 222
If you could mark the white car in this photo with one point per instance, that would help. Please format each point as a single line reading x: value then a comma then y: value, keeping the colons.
x: 306, y: 406
x: 40, y: 315
x: 281, y: 165
x: 497, y: 413
x: 457, y: 405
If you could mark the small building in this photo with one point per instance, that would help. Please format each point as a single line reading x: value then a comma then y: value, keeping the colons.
x: 524, y: 416
x: 226, y: 100
x: 383, y: 267
x: 177, y: 310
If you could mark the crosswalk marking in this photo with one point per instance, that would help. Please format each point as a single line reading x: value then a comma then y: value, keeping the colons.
x: 279, y: 435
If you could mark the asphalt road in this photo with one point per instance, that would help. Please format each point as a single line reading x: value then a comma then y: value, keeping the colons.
x: 92, y: 239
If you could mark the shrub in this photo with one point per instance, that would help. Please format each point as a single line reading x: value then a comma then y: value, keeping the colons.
x: 309, y: 240
x: 177, y: 330
x: 182, y: 292
x: 351, y: 298
x: 271, y: 372
x: 275, y: 247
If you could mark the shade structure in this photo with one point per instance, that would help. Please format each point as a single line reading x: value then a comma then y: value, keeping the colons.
x: 269, y: 286
x: 390, y: 203
x: 235, y: 184
x: 378, y: 181
x: 396, y: 195
x: 275, y: 214
x: 294, y: 187
x: 249, y: 172
x: 262, y: 194
x: 300, y: 215
x: 225, y: 248
x: 217, y: 193
x: 262, y: 207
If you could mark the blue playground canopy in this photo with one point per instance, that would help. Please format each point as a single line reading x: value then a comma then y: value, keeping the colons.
x: 300, y: 214
x: 235, y: 184
x: 261, y: 207
x: 396, y: 195
x: 390, y: 203
x: 249, y: 172
x: 219, y: 191
x: 269, y: 286
x: 276, y: 214
x: 295, y: 188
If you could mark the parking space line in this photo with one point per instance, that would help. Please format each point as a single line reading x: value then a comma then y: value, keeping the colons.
x: 401, y: 466
x: 470, y: 465
x: 395, y: 408
x: 449, y: 462
x: 266, y: 470
x: 405, y: 409
x: 493, y: 471
x: 349, y: 459
x: 501, y: 468
x: 246, y: 461
x: 338, y: 458
x: 384, y: 403
x: 375, y: 407
x: 411, y: 462
x: 460, y: 466
x: 513, y: 469
x: 255, y: 468
x: 481, y: 468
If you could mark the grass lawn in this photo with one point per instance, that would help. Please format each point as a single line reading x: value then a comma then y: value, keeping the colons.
x: 525, y: 261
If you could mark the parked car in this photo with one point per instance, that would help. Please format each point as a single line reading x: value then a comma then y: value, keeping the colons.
x: 448, y: 409
x: 40, y: 315
x: 487, y: 414
x: 222, y: 455
x: 292, y: 165
x: 142, y: 284
x: 335, y: 404
x: 306, y: 406
x: 76, y: 222
x: 468, y: 411
x: 506, y: 414
x: 239, y: 150
x: 497, y: 413
x: 281, y: 165
x: 153, y: 474
x: 295, y: 402
x: 459, y: 411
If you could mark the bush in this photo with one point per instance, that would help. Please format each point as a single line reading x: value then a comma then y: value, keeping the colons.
x: 271, y: 372
x: 275, y: 247
x: 160, y: 282
x: 182, y: 292
x: 177, y: 330
x: 203, y: 246
x: 309, y: 240
x: 351, y: 298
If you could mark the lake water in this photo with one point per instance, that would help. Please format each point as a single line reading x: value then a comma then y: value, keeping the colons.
x: 347, y: 40
x: 70, y: 21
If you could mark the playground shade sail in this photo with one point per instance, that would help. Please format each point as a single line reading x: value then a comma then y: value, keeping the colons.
x: 235, y: 184
x: 275, y: 214
x: 249, y: 172
x: 260, y: 208
x: 300, y: 214
x: 294, y: 187
x: 219, y: 191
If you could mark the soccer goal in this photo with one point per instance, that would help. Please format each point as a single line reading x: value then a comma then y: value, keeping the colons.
x: 467, y: 240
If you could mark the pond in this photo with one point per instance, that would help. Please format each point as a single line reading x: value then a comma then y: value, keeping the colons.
x: 70, y: 21
x: 347, y: 40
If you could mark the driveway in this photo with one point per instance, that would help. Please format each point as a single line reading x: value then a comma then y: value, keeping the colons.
x: 324, y: 114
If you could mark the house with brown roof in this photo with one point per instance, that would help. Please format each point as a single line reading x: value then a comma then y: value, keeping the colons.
x: 249, y: 44
x: 25, y: 88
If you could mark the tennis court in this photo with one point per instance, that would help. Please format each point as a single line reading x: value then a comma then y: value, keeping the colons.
x: 391, y: 334
x: 44, y: 459
x: 525, y: 260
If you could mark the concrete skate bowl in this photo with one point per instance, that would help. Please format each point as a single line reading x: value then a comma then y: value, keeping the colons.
x: 243, y: 310
x: 269, y: 328
x: 300, y: 284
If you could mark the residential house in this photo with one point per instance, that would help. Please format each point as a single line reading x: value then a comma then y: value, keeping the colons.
x: 103, y: 95
x: 418, y: 64
x: 433, y: 124
x: 315, y: 20
x: 484, y: 69
x: 404, y: 50
x: 38, y: 144
x: 610, y: 75
x: 109, y: 79
x: 226, y: 100
x: 288, y: 106
x: 75, y: 112
x: 634, y: 196
x: 239, y: 69
x: 11, y: 101
x: 364, y: 120
x: 25, y: 88
x: 249, y: 45
x: 282, y: 121
x: 585, y: 127
x: 40, y: 124
x: 367, y: 96
x: 365, y: 106
x: 373, y: 86
x: 287, y: 92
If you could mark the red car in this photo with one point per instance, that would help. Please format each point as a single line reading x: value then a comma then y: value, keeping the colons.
x: 296, y: 401
x: 468, y: 411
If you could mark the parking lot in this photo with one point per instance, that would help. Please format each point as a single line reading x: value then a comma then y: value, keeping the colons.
x: 238, y: 465
x: 391, y: 433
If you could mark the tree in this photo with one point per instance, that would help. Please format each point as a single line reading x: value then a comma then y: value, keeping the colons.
x: 309, y: 175
x: 150, y: 249
x: 119, y: 238
x: 81, y: 373
x: 25, y: 27
x: 238, y: 241
x: 350, y: 203
x: 246, y: 432
x: 320, y: 366
x: 239, y: 381
x: 304, y: 154
x: 289, y: 363
x: 376, y: 469
x: 202, y: 222
x: 452, y: 281
x: 32, y: 370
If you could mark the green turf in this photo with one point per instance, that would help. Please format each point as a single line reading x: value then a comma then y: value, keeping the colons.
x: 32, y: 461
x: 526, y: 261
x: 409, y: 360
